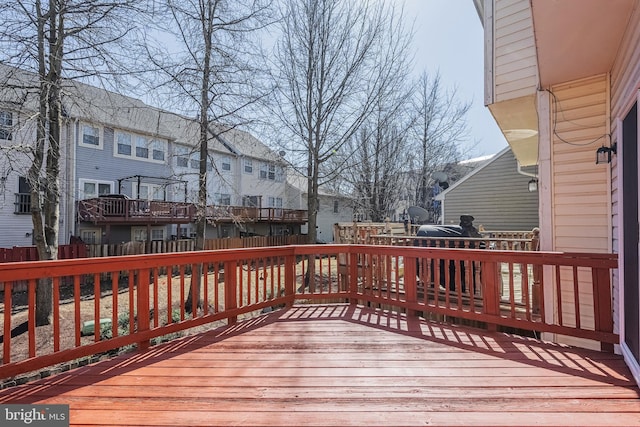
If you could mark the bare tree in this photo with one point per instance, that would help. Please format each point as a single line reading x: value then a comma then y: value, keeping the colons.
x: 439, y: 127
x: 335, y: 60
x: 54, y: 41
x: 209, y: 67
x: 378, y: 158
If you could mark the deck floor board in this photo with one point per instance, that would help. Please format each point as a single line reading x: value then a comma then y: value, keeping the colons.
x: 346, y: 365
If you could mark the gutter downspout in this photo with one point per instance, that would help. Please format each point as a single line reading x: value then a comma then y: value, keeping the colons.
x: 521, y: 172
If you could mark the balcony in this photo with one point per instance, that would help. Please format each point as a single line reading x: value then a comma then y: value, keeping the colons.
x: 121, y: 210
x: 322, y: 335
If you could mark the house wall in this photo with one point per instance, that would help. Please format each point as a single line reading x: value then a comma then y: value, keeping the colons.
x: 17, y: 229
x: 625, y: 84
x: 581, y: 193
x: 496, y: 195
x: 515, y: 67
x: 579, y: 190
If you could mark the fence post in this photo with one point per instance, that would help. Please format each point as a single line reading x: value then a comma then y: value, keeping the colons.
x: 144, y: 315
x: 490, y: 291
x: 230, y: 290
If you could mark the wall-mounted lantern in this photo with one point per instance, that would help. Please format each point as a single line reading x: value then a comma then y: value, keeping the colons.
x: 603, y: 154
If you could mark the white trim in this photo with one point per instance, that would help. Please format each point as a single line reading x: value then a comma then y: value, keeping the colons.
x: 545, y: 208
x: 620, y: 224
x: 629, y: 358
x: 631, y: 361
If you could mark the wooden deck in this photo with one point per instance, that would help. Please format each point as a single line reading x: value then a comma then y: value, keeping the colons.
x: 346, y: 365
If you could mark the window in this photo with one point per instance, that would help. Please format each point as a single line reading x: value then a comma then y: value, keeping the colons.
x: 148, y: 192
x: 251, y: 201
x: 195, y: 163
x: 139, y: 147
x: 158, y: 148
x: 23, y: 197
x: 335, y: 206
x: 226, y: 163
x: 248, y: 166
x: 274, y: 202
x: 182, y: 156
x: 92, y: 188
x: 124, y: 143
x: 268, y: 171
x: 279, y: 174
x: 91, y: 236
x: 139, y: 234
x: 157, y: 234
x: 6, y: 123
x: 91, y: 137
x: 222, y: 199
x: 142, y: 147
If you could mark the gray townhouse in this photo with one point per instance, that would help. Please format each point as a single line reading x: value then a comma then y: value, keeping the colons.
x: 129, y: 172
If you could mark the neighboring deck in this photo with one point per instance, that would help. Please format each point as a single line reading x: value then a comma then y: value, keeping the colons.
x: 346, y: 365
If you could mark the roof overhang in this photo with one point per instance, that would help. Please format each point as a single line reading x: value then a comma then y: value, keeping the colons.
x: 518, y: 121
x: 578, y: 38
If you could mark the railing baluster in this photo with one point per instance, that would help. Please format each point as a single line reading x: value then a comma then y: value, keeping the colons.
x: 32, y: 317
x: 96, y: 307
x: 56, y: 314
x: 144, y: 315
x: 76, y: 303
x: 8, y: 308
x: 576, y: 296
x: 114, y: 303
x: 559, y: 295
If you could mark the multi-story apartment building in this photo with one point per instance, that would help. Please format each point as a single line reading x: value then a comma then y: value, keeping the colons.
x: 130, y: 172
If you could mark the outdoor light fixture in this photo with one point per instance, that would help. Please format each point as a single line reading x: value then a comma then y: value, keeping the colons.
x: 533, y: 185
x: 603, y: 154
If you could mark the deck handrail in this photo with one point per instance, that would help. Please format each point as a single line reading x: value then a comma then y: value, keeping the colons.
x: 517, y: 289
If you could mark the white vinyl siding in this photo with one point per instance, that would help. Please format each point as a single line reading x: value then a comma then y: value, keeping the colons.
x: 581, y: 189
x: 514, y: 51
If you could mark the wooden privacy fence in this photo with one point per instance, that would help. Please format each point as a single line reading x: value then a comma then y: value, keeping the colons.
x: 186, y: 245
x: 30, y: 253
x: 145, y: 296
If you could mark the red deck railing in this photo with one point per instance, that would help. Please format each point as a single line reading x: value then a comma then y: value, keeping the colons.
x: 133, y: 300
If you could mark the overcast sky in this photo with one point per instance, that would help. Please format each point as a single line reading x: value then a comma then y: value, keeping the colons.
x: 449, y: 38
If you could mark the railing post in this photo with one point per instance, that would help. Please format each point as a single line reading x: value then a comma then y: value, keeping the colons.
x: 289, y: 279
x: 353, y: 277
x: 144, y: 314
x: 230, y: 290
x: 410, y: 283
x: 603, y: 312
x: 490, y: 291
